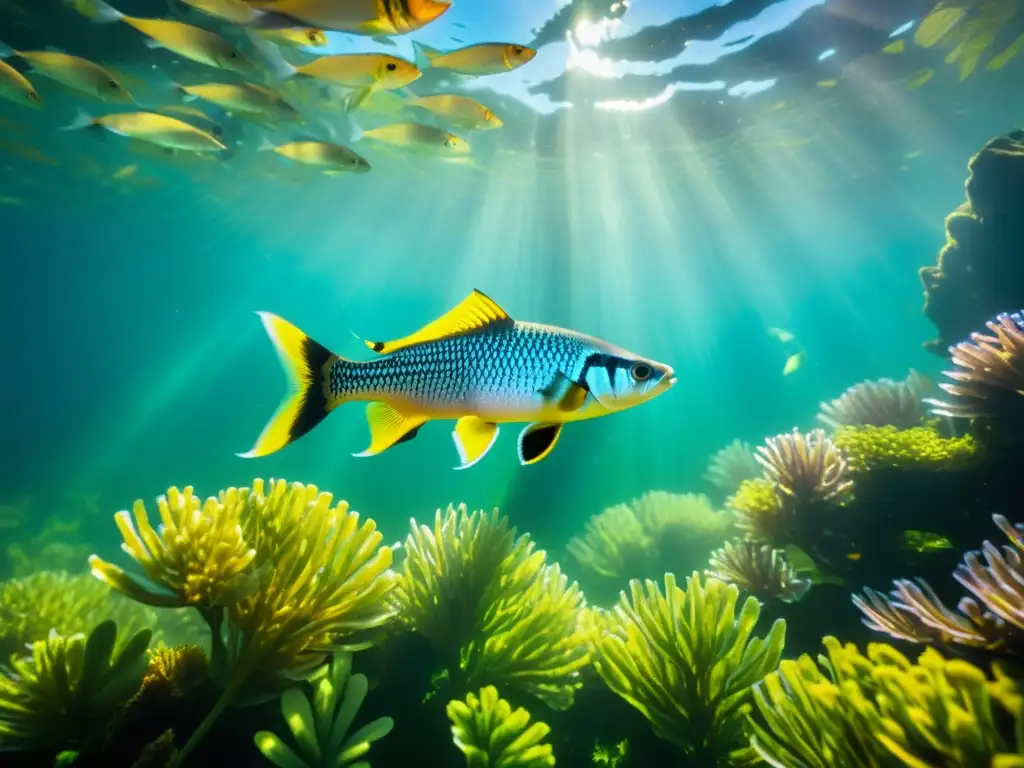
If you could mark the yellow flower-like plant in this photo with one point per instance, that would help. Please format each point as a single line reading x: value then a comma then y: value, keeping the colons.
x: 687, y: 661
x: 494, y: 609
x: 869, y: 447
x: 493, y: 735
x: 319, y: 724
x: 198, y: 558
x: 64, y: 693
x: 881, y: 710
x: 612, y: 543
x: 760, y: 514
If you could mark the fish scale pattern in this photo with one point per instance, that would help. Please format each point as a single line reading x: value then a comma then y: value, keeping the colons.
x: 505, y: 364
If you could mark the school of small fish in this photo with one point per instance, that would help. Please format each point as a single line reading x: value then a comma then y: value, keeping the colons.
x: 260, y: 57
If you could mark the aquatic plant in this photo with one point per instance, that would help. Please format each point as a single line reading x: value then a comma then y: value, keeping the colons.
x: 805, y: 468
x: 317, y: 581
x: 868, y: 447
x: 882, y: 711
x: 179, y: 668
x: 63, y: 694
x: 878, y: 404
x: 686, y: 660
x: 199, y: 558
x: 969, y: 30
x: 494, y: 609
x: 760, y: 514
x: 992, y: 619
x: 493, y: 735
x: 731, y: 465
x: 32, y: 606
x: 990, y: 370
x: 757, y: 569
x: 650, y: 533
x: 319, y: 723
x: 978, y: 274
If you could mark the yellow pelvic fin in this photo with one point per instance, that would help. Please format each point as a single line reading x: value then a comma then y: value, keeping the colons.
x: 536, y: 441
x: 473, y: 439
x: 565, y: 393
x: 388, y: 427
x: 357, y: 98
x: 473, y: 313
x: 307, y: 366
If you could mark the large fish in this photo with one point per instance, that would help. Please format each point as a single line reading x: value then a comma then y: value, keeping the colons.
x: 474, y: 364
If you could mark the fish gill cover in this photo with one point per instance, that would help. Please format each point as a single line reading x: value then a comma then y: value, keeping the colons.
x: 715, y: 308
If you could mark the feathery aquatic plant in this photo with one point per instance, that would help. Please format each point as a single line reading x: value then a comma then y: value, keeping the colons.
x: 493, y: 735
x: 320, y: 723
x: 491, y: 605
x: 989, y: 370
x: 32, y: 606
x: 179, y: 668
x: 199, y: 557
x: 805, y: 468
x: 757, y: 569
x: 64, y: 693
x: 878, y: 404
x: 686, y: 660
x: 882, y: 711
x: 731, y: 466
x: 993, y: 618
x: 648, y: 533
x: 868, y: 448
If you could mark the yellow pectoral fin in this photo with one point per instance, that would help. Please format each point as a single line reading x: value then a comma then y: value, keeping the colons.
x: 564, y: 393
x: 388, y: 427
x: 476, y: 311
x: 536, y: 441
x: 473, y: 439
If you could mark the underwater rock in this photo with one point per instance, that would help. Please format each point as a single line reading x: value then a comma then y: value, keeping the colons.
x: 980, y: 271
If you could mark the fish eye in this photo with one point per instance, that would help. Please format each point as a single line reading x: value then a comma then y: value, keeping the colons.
x: 392, y: 66
x: 640, y: 371
x: 113, y: 84
x: 313, y: 36
x: 33, y: 96
x: 517, y: 50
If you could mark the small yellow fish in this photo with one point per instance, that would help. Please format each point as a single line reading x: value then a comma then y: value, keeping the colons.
x: 199, y: 45
x: 245, y: 98
x: 1002, y: 59
x: 25, y: 152
x: 919, y: 78
x: 15, y: 87
x: 322, y: 154
x: 458, y: 111
x: 474, y: 364
x: 937, y: 24
x: 297, y: 37
x: 125, y: 172
x: 912, y: 155
x: 359, y: 17
x: 925, y: 541
x: 74, y: 72
x: 897, y: 46
x: 367, y: 72
x: 793, y: 363
x: 197, y: 117
x: 419, y: 138
x: 164, y: 131
x: 479, y: 59
x: 853, y: 556
x: 827, y: 83
x: 234, y: 11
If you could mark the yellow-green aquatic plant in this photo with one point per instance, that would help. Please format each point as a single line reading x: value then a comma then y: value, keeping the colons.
x: 64, y: 693
x: 869, y: 447
x: 198, y: 558
x: 180, y: 668
x: 494, y: 609
x: 686, y: 660
x: 31, y: 606
x: 320, y: 723
x: 882, y: 711
x: 493, y: 735
x: 630, y: 539
x: 282, y: 576
x: 760, y: 514
x: 757, y: 569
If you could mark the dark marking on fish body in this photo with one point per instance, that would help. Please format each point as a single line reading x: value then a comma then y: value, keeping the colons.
x: 378, y: 346
x: 314, y: 406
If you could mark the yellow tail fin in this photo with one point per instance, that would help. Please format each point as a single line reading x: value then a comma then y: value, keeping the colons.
x: 307, y: 366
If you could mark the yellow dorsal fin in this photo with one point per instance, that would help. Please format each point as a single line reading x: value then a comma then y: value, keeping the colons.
x: 473, y: 313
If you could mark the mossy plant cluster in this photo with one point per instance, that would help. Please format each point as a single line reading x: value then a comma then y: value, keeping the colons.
x: 871, y: 447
